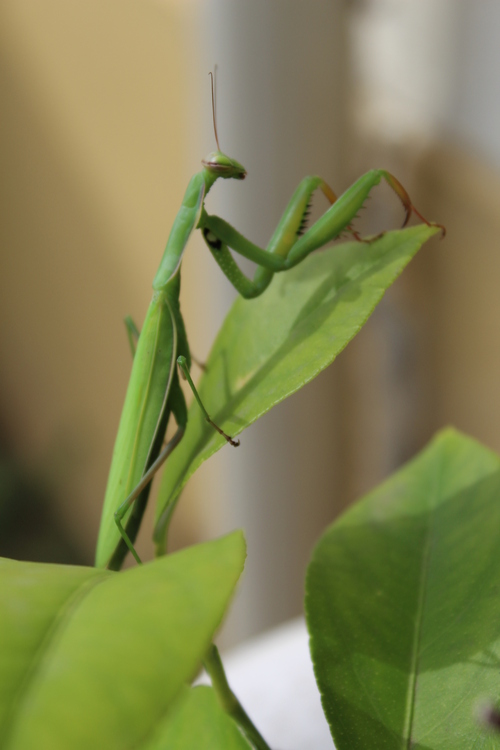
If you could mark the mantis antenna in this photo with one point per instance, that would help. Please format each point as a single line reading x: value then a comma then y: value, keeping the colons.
x: 212, y: 80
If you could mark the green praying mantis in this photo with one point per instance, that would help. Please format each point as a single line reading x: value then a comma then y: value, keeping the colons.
x: 154, y: 392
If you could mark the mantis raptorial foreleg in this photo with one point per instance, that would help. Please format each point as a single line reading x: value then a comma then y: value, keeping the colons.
x: 289, y: 245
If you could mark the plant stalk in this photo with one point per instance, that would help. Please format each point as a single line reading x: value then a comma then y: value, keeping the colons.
x: 229, y: 702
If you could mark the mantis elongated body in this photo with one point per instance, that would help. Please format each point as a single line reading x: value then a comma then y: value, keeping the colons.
x: 154, y: 391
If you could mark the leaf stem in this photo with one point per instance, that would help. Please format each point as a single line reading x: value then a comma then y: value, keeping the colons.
x: 229, y: 702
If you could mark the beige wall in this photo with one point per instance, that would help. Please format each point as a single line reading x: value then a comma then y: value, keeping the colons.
x: 461, y: 292
x: 93, y: 169
x: 105, y: 116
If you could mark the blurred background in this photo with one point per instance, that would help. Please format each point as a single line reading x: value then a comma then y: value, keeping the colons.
x: 105, y: 115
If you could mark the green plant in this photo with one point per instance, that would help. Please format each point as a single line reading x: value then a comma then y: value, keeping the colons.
x: 403, y: 604
x: 402, y: 591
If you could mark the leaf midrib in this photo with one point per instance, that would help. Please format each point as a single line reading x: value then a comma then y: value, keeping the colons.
x: 417, y: 637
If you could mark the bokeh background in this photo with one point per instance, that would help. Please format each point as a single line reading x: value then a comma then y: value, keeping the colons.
x: 105, y: 115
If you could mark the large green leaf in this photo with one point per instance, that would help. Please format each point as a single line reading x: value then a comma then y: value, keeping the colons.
x: 403, y: 605
x: 197, y: 722
x: 270, y: 347
x: 92, y: 659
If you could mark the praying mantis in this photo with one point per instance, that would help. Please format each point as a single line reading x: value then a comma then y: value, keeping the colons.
x: 154, y: 392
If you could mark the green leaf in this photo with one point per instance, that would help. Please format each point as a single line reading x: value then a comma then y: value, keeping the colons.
x: 270, y: 347
x: 92, y: 659
x: 403, y: 605
x: 197, y: 722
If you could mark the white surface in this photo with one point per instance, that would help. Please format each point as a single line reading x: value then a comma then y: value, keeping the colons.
x: 272, y: 676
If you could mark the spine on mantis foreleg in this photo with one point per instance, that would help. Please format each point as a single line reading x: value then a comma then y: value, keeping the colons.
x: 336, y: 218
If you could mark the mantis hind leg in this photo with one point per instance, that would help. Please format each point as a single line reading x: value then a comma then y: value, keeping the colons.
x: 158, y: 455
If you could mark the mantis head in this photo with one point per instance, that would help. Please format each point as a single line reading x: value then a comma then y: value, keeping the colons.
x: 220, y: 165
